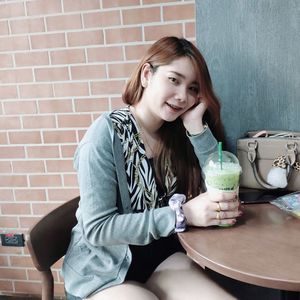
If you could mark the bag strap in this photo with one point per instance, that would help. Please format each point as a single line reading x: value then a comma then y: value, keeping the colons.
x: 252, y: 155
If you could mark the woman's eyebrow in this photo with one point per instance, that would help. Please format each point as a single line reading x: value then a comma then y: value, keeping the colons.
x: 182, y: 76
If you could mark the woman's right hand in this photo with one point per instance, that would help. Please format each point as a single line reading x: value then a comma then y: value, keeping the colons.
x: 212, y: 209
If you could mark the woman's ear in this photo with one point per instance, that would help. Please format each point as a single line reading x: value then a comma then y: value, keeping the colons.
x: 146, y: 73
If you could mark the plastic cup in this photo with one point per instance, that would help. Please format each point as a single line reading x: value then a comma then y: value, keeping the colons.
x: 222, y: 173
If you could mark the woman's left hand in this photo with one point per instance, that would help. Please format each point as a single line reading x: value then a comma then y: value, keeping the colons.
x: 193, y: 118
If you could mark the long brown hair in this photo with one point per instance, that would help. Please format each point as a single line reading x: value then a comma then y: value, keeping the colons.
x: 183, y: 161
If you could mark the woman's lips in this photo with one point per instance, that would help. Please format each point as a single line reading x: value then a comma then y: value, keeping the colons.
x: 174, y: 107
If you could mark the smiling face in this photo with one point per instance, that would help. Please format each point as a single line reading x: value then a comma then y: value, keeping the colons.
x: 170, y: 90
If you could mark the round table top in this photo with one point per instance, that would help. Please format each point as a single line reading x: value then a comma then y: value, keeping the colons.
x: 262, y: 248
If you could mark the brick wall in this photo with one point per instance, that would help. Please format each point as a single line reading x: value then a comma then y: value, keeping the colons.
x: 62, y: 63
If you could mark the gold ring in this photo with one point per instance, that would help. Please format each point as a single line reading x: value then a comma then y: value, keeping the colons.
x: 218, y: 215
x: 219, y: 207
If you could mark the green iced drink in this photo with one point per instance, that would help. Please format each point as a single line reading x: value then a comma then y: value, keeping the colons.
x: 225, y: 179
x: 222, y: 173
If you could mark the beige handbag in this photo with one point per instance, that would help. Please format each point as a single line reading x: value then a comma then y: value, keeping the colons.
x: 270, y: 160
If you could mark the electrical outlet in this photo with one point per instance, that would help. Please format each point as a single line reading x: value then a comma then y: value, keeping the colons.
x: 12, y: 239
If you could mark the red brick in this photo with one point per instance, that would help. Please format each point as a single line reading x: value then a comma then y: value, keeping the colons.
x: 178, y: 12
x: 5, y: 167
x: 88, y: 72
x: 70, y: 180
x: 21, y: 261
x: 20, y: 107
x: 6, y: 195
x: 141, y: 15
x: 123, y: 35
x: 28, y: 166
x: 68, y: 150
x: 44, y: 180
x: 39, y: 90
x: 10, y: 250
x: 44, y: 208
x: 11, y: 10
x: 28, y: 222
x: 42, y: 151
x: 135, y: 52
x: 63, y: 194
x: 71, y: 89
x: 6, y: 60
x: 69, y: 56
x: 26, y: 137
x: 27, y: 25
x: 52, y: 74
x: 75, y: 121
x: 4, y: 28
x: 15, y: 208
x: 12, y: 152
x: 59, y: 166
x: 14, y: 43
x: 80, y: 5
x: 26, y: 287
x: 40, y: 7
x: 102, y: 87
x: 190, y: 30
x: 85, y: 105
x: 103, y: 54
x: 101, y: 19
x: 63, y: 22
x: 33, y: 275
x: 39, y: 122
x: 154, y: 32
x: 59, y: 136
x: 15, y: 76
x: 8, y: 92
x: 8, y: 222
x: 30, y: 195
x: 55, y: 106
x: 32, y: 58
x: 3, y: 261
x: 119, y: 3
x: 121, y: 70
x: 10, y: 123
x: 83, y: 38
x: 117, y: 103
x: 81, y: 133
x: 7, y: 273
x: 13, y: 180
x: 50, y: 40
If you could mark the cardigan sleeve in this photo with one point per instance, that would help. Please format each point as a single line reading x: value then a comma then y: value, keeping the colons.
x: 204, y: 144
x: 98, y: 214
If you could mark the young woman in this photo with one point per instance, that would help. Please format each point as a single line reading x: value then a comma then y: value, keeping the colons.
x: 130, y: 163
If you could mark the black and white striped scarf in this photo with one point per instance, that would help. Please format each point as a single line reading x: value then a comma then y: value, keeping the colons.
x: 140, y: 174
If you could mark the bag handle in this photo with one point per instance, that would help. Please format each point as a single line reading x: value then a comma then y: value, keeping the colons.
x: 252, y: 155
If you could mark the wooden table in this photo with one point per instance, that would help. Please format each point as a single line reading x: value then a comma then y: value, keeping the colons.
x: 262, y: 248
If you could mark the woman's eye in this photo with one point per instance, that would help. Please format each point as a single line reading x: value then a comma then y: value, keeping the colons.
x: 173, y: 80
x: 194, y: 89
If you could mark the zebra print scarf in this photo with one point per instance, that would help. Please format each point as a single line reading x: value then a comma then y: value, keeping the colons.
x: 140, y: 174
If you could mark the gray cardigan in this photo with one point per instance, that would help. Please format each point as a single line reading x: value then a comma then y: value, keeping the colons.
x: 98, y: 254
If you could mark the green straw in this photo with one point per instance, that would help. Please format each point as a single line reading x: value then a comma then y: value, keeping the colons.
x: 220, y: 154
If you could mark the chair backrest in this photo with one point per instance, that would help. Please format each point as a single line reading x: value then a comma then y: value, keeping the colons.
x: 48, y: 241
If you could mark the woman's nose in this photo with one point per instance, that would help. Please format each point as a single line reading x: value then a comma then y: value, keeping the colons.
x: 181, y: 95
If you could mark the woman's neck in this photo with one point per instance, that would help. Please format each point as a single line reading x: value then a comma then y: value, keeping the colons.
x: 146, y: 119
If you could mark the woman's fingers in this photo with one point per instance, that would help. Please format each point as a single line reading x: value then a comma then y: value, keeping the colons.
x: 221, y: 215
x: 218, y: 196
x: 224, y: 206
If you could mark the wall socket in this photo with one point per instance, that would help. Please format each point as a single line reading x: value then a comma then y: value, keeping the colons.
x: 12, y: 239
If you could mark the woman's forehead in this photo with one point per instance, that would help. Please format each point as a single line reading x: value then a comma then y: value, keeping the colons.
x: 183, y: 67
